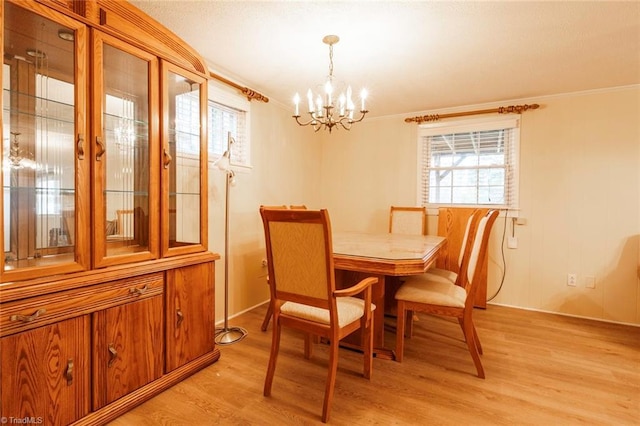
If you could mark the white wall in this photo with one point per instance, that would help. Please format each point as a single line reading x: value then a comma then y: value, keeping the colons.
x: 579, y: 192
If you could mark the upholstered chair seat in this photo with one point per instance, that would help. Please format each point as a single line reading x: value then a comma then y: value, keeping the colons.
x: 421, y: 289
x: 350, y: 309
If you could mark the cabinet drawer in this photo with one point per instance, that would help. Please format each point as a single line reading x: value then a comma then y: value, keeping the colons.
x: 36, y: 311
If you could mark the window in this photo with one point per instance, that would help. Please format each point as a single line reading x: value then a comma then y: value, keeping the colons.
x: 474, y: 162
x: 228, y: 114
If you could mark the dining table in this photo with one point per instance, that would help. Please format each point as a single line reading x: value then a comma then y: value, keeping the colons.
x: 387, y: 256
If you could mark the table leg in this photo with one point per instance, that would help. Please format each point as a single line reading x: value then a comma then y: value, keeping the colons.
x: 348, y: 278
x: 392, y: 285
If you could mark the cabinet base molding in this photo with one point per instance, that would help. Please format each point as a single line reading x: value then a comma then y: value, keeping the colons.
x: 137, y: 397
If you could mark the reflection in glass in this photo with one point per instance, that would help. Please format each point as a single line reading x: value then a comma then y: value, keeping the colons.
x: 38, y: 151
x: 126, y: 157
x: 184, y: 148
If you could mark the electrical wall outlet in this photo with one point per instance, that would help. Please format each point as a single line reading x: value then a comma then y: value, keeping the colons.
x: 590, y: 282
x: 572, y: 280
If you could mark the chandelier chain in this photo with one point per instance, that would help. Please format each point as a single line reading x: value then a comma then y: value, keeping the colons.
x: 331, y: 61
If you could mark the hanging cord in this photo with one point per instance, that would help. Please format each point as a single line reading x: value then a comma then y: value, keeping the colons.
x: 504, y: 262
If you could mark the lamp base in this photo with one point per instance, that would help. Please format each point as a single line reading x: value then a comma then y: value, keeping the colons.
x: 229, y: 335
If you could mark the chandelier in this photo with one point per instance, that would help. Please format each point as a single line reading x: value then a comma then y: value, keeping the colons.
x: 328, y: 110
x: 18, y: 157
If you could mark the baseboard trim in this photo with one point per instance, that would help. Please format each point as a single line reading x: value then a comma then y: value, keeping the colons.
x: 242, y: 312
x: 564, y: 314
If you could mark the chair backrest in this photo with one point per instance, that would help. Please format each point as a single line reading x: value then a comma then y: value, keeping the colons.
x: 453, y: 223
x: 408, y: 220
x: 472, y: 263
x: 300, y: 256
x: 284, y: 207
x: 468, y: 237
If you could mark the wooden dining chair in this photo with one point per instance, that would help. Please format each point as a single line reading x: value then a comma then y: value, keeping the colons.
x: 403, y: 220
x: 450, y: 274
x: 303, y: 291
x: 269, y: 313
x: 453, y: 223
x: 408, y: 220
x: 418, y: 293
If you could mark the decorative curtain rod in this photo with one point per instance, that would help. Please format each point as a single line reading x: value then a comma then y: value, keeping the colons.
x: 250, y: 94
x: 518, y: 109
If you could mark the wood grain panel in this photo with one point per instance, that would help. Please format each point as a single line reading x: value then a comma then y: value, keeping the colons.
x: 128, y: 349
x: 190, y: 322
x: 37, y: 380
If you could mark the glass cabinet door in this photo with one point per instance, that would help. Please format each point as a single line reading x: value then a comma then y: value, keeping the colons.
x: 184, y: 175
x: 125, y: 153
x: 44, y: 163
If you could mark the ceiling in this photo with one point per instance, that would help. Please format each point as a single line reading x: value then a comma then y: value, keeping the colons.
x: 413, y: 55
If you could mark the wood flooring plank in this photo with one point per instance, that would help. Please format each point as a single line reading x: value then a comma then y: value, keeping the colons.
x: 541, y: 369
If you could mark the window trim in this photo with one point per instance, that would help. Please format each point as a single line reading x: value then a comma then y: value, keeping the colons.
x: 493, y: 122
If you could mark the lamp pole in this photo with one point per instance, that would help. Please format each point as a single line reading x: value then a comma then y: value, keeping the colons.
x: 227, y: 335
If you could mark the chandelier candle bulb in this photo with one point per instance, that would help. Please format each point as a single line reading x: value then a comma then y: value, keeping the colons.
x: 363, y: 96
x: 328, y: 90
x: 310, y: 98
x: 296, y: 101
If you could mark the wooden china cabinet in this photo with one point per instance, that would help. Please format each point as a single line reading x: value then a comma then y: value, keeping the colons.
x: 106, y: 284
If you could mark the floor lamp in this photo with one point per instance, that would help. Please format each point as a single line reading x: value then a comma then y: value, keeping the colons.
x: 227, y: 335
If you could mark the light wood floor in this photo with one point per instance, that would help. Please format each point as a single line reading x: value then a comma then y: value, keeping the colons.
x: 541, y: 369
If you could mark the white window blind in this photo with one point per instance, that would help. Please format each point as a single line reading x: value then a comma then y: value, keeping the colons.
x: 469, y: 163
x: 228, y: 114
x: 188, y: 123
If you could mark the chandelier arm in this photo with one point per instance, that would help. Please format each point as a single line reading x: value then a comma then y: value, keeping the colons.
x: 345, y: 126
x: 312, y: 121
x: 364, y: 112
